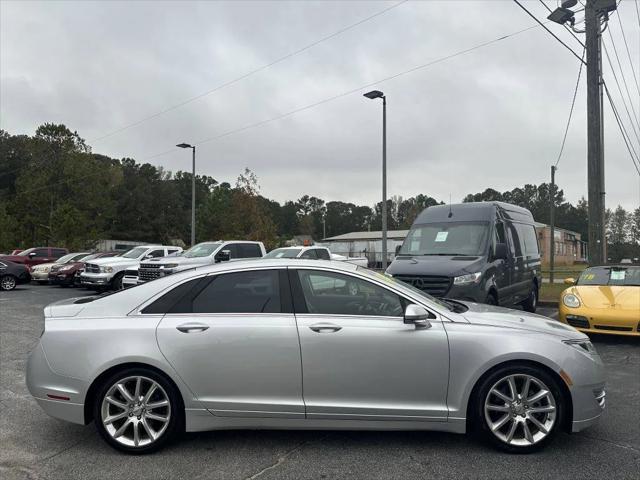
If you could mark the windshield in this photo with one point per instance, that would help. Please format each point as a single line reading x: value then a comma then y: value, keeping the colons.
x: 134, y: 252
x: 24, y: 253
x: 625, y: 276
x: 283, y: 253
x: 447, y: 239
x: 403, y: 286
x: 201, y: 250
x: 66, y: 258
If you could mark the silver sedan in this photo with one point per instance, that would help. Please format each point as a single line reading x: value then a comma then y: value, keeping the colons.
x: 308, y: 345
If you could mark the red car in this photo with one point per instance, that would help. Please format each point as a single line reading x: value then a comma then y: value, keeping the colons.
x: 68, y: 274
x: 36, y: 255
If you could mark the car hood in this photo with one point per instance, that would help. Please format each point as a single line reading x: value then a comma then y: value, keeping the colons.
x: 180, y: 261
x: 113, y: 261
x: 480, y: 314
x: 449, y: 265
x: 605, y: 296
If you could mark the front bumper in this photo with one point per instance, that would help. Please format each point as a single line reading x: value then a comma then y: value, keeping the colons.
x: 96, y: 279
x: 59, y: 396
x: 602, y: 321
x: 39, y: 276
x: 588, y: 405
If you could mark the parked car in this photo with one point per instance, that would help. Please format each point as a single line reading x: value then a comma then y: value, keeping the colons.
x: 36, y: 255
x: 40, y: 272
x: 314, y: 253
x: 604, y: 299
x: 231, y: 345
x: 484, y: 252
x: 69, y: 274
x: 106, y: 273
x: 12, y: 274
x: 205, y: 253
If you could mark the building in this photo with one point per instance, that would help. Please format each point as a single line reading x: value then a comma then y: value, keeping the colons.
x: 569, y: 247
x: 366, y: 244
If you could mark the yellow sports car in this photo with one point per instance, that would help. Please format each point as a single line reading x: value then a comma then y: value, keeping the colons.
x: 604, y: 300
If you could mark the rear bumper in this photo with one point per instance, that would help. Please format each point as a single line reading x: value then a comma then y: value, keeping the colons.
x: 59, y: 396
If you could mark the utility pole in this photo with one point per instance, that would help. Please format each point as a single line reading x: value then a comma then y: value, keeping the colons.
x: 552, y: 221
x: 595, y: 133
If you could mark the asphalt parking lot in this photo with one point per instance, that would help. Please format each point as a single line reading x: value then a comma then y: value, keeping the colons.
x: 34, y: 446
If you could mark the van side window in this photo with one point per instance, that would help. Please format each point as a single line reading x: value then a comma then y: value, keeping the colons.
x: 528, y: 235
x: 517, y: 242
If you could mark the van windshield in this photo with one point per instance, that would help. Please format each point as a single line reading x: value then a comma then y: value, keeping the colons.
x: 456, y: 238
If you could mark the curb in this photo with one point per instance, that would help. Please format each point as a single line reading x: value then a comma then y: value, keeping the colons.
x: 546, y: 303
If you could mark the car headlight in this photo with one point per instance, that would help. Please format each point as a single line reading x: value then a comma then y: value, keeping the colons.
x: 571, y: 300
x: 467, y: 279
x: 581, y: 344
x: 170, y: 265
x: 106, y: 269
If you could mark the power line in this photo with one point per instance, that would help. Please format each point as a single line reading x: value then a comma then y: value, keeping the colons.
x: 623, y: 131
x: 248, y: 74
x: 326, y: 100
x: 552, y: 34
x: 626, y: 45
x: 348, y: 92
x: 624, y: 102
x: 624, y: 77
x: 573, y: 102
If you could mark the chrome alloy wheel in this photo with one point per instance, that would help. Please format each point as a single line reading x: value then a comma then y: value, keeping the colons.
x: 8, y: 282
x: 135, y: 411
x: 520, y: 410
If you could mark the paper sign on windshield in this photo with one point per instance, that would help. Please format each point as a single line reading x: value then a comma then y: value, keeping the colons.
x: 617, y: 274
x: 442, y: 236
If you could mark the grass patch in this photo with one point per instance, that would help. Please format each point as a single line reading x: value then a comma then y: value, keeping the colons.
x: 551, y: 292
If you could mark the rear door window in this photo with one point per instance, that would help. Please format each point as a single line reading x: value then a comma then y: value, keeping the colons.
x: 58, y: 252
x: 240, y: 292
x: 249, y: 250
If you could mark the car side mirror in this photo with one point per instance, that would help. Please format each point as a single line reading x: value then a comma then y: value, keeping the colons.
x: 570, y: 281
x: 32, y: 254
x: 223, y: 256
x: 500, y: 251
x: 417, y: 315
x: 398, y: 247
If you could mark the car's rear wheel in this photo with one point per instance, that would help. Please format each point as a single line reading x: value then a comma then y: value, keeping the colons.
x: 531, y: 302
x: 519, y: 409
x: 138, y: 411
x: 7, y: 282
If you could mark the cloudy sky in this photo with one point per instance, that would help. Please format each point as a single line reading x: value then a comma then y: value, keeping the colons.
x: 493, y: 117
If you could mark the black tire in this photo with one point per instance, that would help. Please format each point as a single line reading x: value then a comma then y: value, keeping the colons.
x: 175, y: 411
x: 531, y: 302
x: 116, y: 283
x: 480, y: 421
x: 491, y: 299
x: 8, y: 282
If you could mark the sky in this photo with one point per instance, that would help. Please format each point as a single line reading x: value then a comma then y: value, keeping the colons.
x: 493, y: 117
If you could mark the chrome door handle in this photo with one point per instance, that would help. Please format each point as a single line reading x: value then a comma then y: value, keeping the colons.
x: 325, y: 327
x: 192, y: 327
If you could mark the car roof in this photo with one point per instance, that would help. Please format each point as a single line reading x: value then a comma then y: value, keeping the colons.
x: 278, y: 263
x: 299, y: 247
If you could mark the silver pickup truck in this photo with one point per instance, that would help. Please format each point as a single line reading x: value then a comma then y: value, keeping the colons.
x: 205, y: 253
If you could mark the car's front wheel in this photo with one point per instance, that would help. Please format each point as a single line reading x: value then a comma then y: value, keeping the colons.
x: 7, y: 282
x: 519, y: 408
x: 138, y: 411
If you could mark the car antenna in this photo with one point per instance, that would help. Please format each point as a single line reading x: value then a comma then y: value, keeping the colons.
x: 450, y: 212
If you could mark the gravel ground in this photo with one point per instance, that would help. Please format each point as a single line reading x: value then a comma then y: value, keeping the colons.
x: 34, y: 446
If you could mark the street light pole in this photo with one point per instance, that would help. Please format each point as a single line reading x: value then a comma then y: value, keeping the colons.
x: 193, y: 190
x: 373, y: 95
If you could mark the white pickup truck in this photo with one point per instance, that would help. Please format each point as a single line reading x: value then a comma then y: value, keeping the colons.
x: 205, y: 253
x: 104, y: 273
x: 314, y: 253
